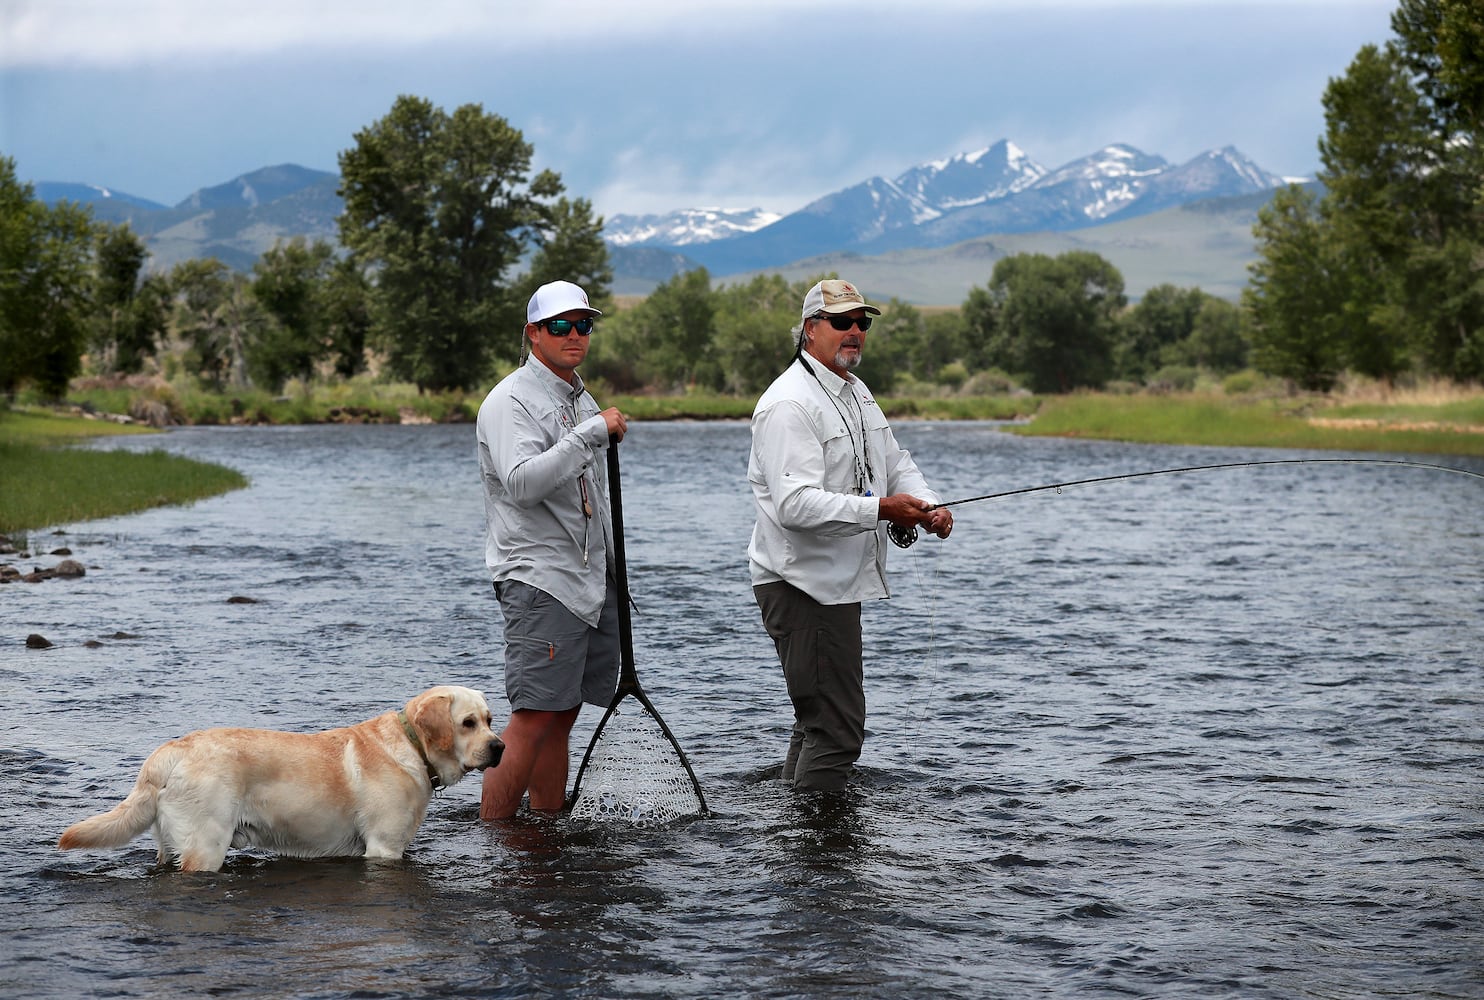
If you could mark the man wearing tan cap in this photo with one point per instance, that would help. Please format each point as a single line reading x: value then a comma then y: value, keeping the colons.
x: 828, y: 477
x: 549, y: 548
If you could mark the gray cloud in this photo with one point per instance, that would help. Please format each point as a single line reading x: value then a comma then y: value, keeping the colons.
x: 768, y: 105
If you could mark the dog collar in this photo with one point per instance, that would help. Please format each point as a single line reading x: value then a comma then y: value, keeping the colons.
x: 417, y: 744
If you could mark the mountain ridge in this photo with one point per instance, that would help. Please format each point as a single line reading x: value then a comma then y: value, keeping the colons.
x: 997, y: 190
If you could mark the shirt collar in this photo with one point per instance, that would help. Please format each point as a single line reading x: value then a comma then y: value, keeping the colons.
x: 553, y: 381
x: 828, y: 379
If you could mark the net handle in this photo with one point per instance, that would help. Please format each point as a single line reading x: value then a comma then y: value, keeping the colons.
x: 628, y: 676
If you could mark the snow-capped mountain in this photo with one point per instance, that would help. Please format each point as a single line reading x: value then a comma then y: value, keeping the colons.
x: 970, y: 178
x: 684, y: 227
x: 1000, y: 189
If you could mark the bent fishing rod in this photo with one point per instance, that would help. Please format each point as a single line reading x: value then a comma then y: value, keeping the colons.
x: 905, y: 536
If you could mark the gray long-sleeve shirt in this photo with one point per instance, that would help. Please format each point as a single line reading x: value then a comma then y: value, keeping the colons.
x: 541, y: 447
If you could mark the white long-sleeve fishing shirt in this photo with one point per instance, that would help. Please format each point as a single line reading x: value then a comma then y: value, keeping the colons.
x: 541, y: 455
x: 817, y: 529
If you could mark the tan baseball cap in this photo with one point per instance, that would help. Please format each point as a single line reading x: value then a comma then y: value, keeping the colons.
x: 834, y: 295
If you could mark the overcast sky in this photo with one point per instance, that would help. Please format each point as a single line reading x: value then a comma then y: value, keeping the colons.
x: 654, y: 105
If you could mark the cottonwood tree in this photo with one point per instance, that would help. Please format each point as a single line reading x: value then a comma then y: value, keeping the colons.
x: 1400, y: 229
x: 571, y: 248
x: 130, y: 309
x: 291, y: 282
x: 752, y: 321
x: 1218, y: 340
x: 1294, y: 295
x: 216, y: 316
x: 668, y: 339
x: 1149, y: 333
x: 439, y: 209
x: 1050, y: 320
x: 46, y: 287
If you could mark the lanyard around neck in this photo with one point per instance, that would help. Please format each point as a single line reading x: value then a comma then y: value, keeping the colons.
x: 864, y: 475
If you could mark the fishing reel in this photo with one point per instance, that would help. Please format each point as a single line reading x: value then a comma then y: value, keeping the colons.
x: 901, y: 535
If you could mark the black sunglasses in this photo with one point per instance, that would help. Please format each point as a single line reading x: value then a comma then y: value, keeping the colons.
x: 843, y: 323
x: 563, y: 327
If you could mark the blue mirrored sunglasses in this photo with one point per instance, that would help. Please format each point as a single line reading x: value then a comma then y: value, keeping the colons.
x: 564, y: 327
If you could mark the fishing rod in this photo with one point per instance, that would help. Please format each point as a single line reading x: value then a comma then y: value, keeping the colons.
x: 904, y: 536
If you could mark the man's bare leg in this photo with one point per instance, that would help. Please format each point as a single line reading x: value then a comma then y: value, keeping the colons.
x: 534, y: 740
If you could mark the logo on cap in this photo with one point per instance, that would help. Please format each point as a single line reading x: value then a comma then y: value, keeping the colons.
x: 835, y: 292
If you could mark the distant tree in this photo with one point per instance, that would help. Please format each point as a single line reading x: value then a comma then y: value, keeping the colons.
x: 944, y: 342
x: 893, y: 347
x: 347, y: 314
x: 1051, y: 320
x: 1217, y: 342
x: 149, y: 325
x: 290, y: 282
x: 129, y: 317
x: 1149, y: 331
x: 1295, y: 296
x: 1377, y: 130
x: 46, y: 286
x: 669, y: 337
x: 1401, y: 226
x: 216, y: 316
x: 980, y: 321
x: 571, y: 249
x: 439, y: 210
x: 752, y: 339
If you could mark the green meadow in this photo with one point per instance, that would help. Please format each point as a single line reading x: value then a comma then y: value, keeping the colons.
x: 1452, y: 427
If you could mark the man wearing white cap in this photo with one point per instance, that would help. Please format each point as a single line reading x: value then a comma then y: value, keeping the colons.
x: 827, y: 478
x: 549, y: 548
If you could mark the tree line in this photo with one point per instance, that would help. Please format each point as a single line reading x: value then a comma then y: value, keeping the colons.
x: 446, y: 232
x: 1383, y: 273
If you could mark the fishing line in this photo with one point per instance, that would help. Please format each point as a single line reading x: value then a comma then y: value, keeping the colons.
x: 904, y: 536
x: 930, y: 588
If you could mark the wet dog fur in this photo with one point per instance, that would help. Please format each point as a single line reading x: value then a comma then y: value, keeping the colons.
x: 357, y: 791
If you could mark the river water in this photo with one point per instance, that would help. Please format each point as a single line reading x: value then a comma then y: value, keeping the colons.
x: 1215, y: 734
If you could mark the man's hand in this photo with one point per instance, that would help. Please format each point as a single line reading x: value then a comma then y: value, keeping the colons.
x: 910, y: 512
x: 617, y: 423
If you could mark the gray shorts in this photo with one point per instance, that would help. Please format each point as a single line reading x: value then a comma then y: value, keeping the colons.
x: 553, y: 659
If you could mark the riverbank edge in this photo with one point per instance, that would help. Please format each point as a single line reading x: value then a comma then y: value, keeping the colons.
x: 1198, y: 419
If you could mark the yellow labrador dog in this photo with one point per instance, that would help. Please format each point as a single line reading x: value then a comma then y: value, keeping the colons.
x: 357, y: 791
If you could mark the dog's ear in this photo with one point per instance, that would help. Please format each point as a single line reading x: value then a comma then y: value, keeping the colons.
x: 432, y: 717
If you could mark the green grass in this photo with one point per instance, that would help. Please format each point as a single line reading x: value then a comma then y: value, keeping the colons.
x: 44, y: 483
x: 1214, y: 420
x: 358, y: 400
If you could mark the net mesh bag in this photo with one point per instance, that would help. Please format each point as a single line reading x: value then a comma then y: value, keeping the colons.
x: 634, y: 774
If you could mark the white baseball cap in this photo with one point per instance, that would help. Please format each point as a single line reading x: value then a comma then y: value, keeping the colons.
x: 555, y: 298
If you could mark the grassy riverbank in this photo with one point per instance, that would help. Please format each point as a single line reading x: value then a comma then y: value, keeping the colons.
x: 1451, y: 424
x: 43, y: 482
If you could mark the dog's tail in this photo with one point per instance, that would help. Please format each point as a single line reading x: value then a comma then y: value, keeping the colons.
x: 130, y: 817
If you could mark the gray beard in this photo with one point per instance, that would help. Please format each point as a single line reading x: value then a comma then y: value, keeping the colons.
x: 847, y: 363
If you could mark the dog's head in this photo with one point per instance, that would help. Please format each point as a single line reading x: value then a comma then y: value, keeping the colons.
x: 454, y: 725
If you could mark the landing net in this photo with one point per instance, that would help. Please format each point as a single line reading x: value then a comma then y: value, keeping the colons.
x: 634, y: 773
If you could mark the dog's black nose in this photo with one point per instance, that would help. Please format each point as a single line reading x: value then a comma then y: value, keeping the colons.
x: 497, y: 749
